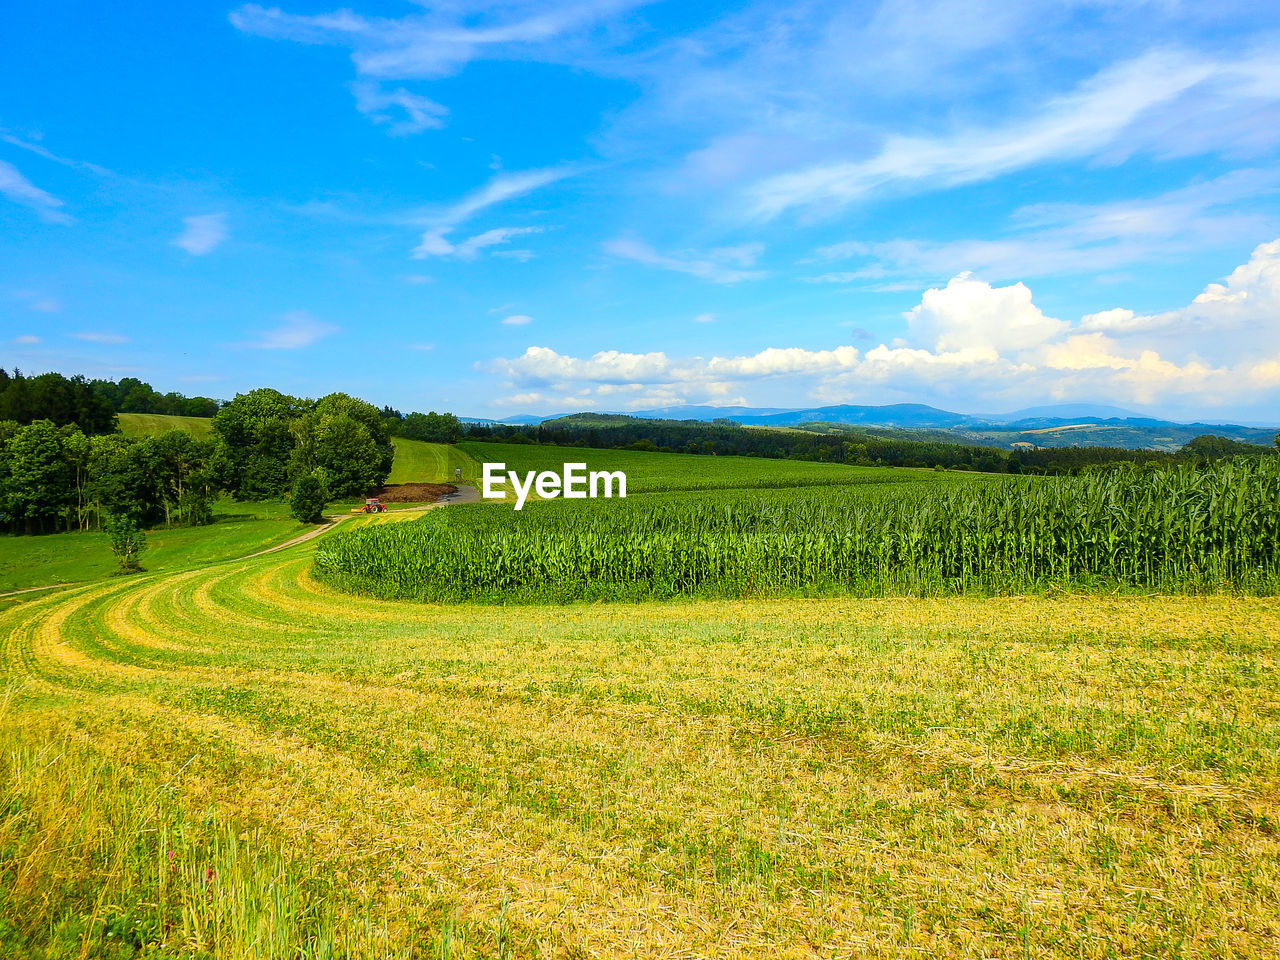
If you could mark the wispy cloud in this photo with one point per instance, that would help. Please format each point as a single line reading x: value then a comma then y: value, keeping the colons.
x: 41, y: 151
x: 16, y: 187
x: 1100, y: 118
x: 433, y: 44
x: 705, y: 267
x: 202, y: 234
x: 39, y: 302
x: 504, y: 187
x: 517, y: 320
x: 705, y: 318
x: 26, y: 339
x: 420, y: 113
x: 94, y: 336
x: 298, y: 329
x: 1073, y: 238
x: 434, y: 243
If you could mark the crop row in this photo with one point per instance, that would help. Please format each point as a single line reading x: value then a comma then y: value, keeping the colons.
x: 1178, y: 529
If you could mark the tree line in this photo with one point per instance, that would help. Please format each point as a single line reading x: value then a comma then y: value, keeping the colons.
x: 859, y: 447
x: 91, y: 405
x: 56, y: 476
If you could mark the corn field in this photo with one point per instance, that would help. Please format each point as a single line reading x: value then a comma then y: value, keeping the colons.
x: 1174, y: 530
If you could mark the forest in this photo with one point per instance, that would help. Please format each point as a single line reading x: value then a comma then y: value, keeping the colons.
x: 67, y: 468
x: 861, y: 447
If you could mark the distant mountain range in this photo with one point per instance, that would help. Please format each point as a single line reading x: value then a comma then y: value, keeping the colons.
x: 1060, y: 425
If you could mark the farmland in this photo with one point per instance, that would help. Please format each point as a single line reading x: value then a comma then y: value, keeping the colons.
x: 262, y: 765
x: 658, y: 473
x: 154, y: 424
x: 734, y: 779
x: 75, y: 557
x: 418, y: 462
x: 1172, y: 530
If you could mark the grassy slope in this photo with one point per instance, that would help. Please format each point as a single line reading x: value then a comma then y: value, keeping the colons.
x: 154, y: 424
x: 75, y: 557
x: 893, y: 778
x: 418, y: 462
x: 656, y: 472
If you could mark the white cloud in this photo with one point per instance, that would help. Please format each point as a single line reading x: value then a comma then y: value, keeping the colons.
x: 705, y: 318
x: 94, y: 336
x: 25, y: 339
x: 203, y: 233
x: 743, y: 255
x: 970, y: 314
x: 707, y: 267
x: 22, y: 191
x: 1100, y: 118
x: 1074, y: 238
x: 1248, y: 301
x: 542, y: 365
x: 420, y: 113
x: 298, y: 329
x: 504, y: 187
x: 973, y: 346
x: 435, y: 44
x: 432, y: 44
x: 434, y: 243
x: 517, y: 320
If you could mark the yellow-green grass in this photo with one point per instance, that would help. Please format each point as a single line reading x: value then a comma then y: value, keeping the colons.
x: 154, y: 424
x: 1025, y: 777
x: 420, y: 462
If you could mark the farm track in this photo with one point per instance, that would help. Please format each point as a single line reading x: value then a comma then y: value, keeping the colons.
x: 1006, y: 778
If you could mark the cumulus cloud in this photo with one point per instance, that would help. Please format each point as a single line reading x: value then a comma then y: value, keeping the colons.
x: 202, y: 234
x: 968, y: 343
x: 1248, y: 302
x: 971, y: 314
x: 298, y: 329
x: 714, y: 266
x: 14, y: 186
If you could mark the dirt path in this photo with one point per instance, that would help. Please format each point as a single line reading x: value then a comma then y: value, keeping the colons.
x: 48, y: 586
x: 309, y: 535
x: 466, y: 494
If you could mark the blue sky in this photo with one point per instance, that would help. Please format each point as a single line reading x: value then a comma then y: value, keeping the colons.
x: 505, y: 207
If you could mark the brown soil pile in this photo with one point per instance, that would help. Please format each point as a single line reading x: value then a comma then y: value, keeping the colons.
x: 414, y: 492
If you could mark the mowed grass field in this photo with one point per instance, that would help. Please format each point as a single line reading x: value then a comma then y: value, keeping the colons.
x: 75, y: 557
x: 419, y: 462
x: 154, y: 424
x: 305, y: 771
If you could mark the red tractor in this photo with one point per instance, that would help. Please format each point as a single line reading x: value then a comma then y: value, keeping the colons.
x: 374, y: 505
